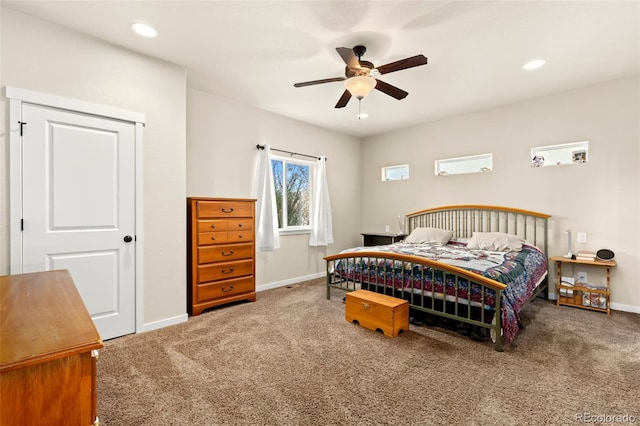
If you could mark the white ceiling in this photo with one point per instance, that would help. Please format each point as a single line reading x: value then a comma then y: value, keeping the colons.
x: 254, y: 51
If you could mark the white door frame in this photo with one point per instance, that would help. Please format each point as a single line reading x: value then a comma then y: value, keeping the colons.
x: 16, y: 97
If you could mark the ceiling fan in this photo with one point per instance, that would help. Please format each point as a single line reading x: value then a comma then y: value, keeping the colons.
x: 360, y: 76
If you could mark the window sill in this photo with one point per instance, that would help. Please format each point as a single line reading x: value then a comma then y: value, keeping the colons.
x: 294, y: 231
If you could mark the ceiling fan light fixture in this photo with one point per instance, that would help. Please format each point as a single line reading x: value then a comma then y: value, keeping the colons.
x: 360, y: 86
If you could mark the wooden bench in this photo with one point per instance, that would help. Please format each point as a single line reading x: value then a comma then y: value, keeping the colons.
x: 377, y: 312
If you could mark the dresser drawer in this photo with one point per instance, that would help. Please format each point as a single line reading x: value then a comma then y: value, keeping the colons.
x: 225, y: 252
x: 240, y: 224
x: 225, y: 288
x: 222, y: 209
x: 206, y: 238
x: 221, y: 271
x: 212, y: 225
x: 239, y: 236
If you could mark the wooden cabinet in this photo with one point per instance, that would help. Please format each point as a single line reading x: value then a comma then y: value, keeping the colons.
x: 582, y: 295
x: 377, y: 312
x: 381, y: 238
x: 48, y: 350
x: 220, y: 252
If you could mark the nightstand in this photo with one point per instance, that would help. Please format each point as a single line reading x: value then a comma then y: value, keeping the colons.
x: 381, y: 238
x: 582, y: 295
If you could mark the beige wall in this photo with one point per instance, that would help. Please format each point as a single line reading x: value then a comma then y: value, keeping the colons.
x: 219, y: 159
x: 47, y: 58
x: 222, y: 157
x: 601, y: 198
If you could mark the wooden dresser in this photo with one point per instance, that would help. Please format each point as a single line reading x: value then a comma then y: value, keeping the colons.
x: 220, y: 252
x: 48, y: 350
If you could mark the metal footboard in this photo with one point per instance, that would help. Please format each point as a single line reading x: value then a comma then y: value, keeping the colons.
x: 407, y: 277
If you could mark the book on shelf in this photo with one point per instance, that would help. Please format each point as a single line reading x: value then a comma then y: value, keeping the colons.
x: 568, y: 281
x: 586, y: 255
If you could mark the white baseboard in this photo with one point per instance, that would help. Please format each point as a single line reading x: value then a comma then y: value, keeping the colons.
x: 296, y: 280
x: 614, y: 306
x: 163, y: 323
x: 625, y: 308
x: 184, y: 317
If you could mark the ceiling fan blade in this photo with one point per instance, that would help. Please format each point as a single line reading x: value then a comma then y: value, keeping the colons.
x: 348, y: 57
x: 326, y: 80
x: 344, y: 99
x: 390, y: 90
x: 402, y: 64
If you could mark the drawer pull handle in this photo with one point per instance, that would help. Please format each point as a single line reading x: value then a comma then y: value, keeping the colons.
x: 213, y: 227
x: 227, y: 211
x: 365, y: 305
x: 225, y: 289
x: 240, y: 236
x: 227, y: 271
x: 229, y: 253
x: 213, y: 238
x: 239, y: 225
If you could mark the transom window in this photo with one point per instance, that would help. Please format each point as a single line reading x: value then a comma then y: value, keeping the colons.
x: 559, y: 155
x: 462, y: 165
x: 292, y: 179
x: 400, y: 172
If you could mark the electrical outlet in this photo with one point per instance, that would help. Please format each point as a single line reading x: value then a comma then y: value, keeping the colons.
x: 582, y: 237
x: 581, y: 277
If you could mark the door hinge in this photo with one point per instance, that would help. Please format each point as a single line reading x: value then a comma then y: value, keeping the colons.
x: 22, y: 224
x: 22, y: 123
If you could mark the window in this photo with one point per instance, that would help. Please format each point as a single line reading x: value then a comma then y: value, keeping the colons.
x: 461, y: 165
x: 292, y: 181
x: 558, y: 155
x: 400, y: 172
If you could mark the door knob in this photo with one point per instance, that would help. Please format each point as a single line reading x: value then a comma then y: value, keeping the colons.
x: 128, y: 238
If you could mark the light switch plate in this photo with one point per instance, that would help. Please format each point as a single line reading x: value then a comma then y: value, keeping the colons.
x: 582, y: 237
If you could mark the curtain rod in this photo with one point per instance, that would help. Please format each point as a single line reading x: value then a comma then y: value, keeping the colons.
x: 289, y: 152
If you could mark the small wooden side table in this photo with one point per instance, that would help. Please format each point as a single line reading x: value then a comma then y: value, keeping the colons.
x: 381, y: 238
x: 577, y: 298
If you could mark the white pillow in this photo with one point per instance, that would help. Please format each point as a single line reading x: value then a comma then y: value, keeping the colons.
x: 495, y: 241
x: 429, y: 236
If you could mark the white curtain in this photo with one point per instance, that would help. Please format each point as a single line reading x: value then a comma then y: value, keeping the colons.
x: 267, y: 235
x: 321, y: 225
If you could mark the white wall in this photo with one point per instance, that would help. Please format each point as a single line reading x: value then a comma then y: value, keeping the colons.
x: 44, y: 57
x: 222, y: 157
x: 601, y: 197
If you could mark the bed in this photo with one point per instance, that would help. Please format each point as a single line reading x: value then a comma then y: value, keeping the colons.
x: 463, y: 264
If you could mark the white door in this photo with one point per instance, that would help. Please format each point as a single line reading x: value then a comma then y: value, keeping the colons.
x: 78, y: 176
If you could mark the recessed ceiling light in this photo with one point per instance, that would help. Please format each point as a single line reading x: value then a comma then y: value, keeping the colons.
x: 144, y: 29
x: 535, y: 64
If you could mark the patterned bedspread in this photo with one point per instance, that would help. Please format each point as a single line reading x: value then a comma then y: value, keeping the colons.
x: 521, y: 271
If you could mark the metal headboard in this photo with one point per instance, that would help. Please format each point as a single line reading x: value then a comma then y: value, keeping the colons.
x: 463, y: 220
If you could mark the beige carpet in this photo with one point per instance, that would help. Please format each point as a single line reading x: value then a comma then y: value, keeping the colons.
x: 291, y: 359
